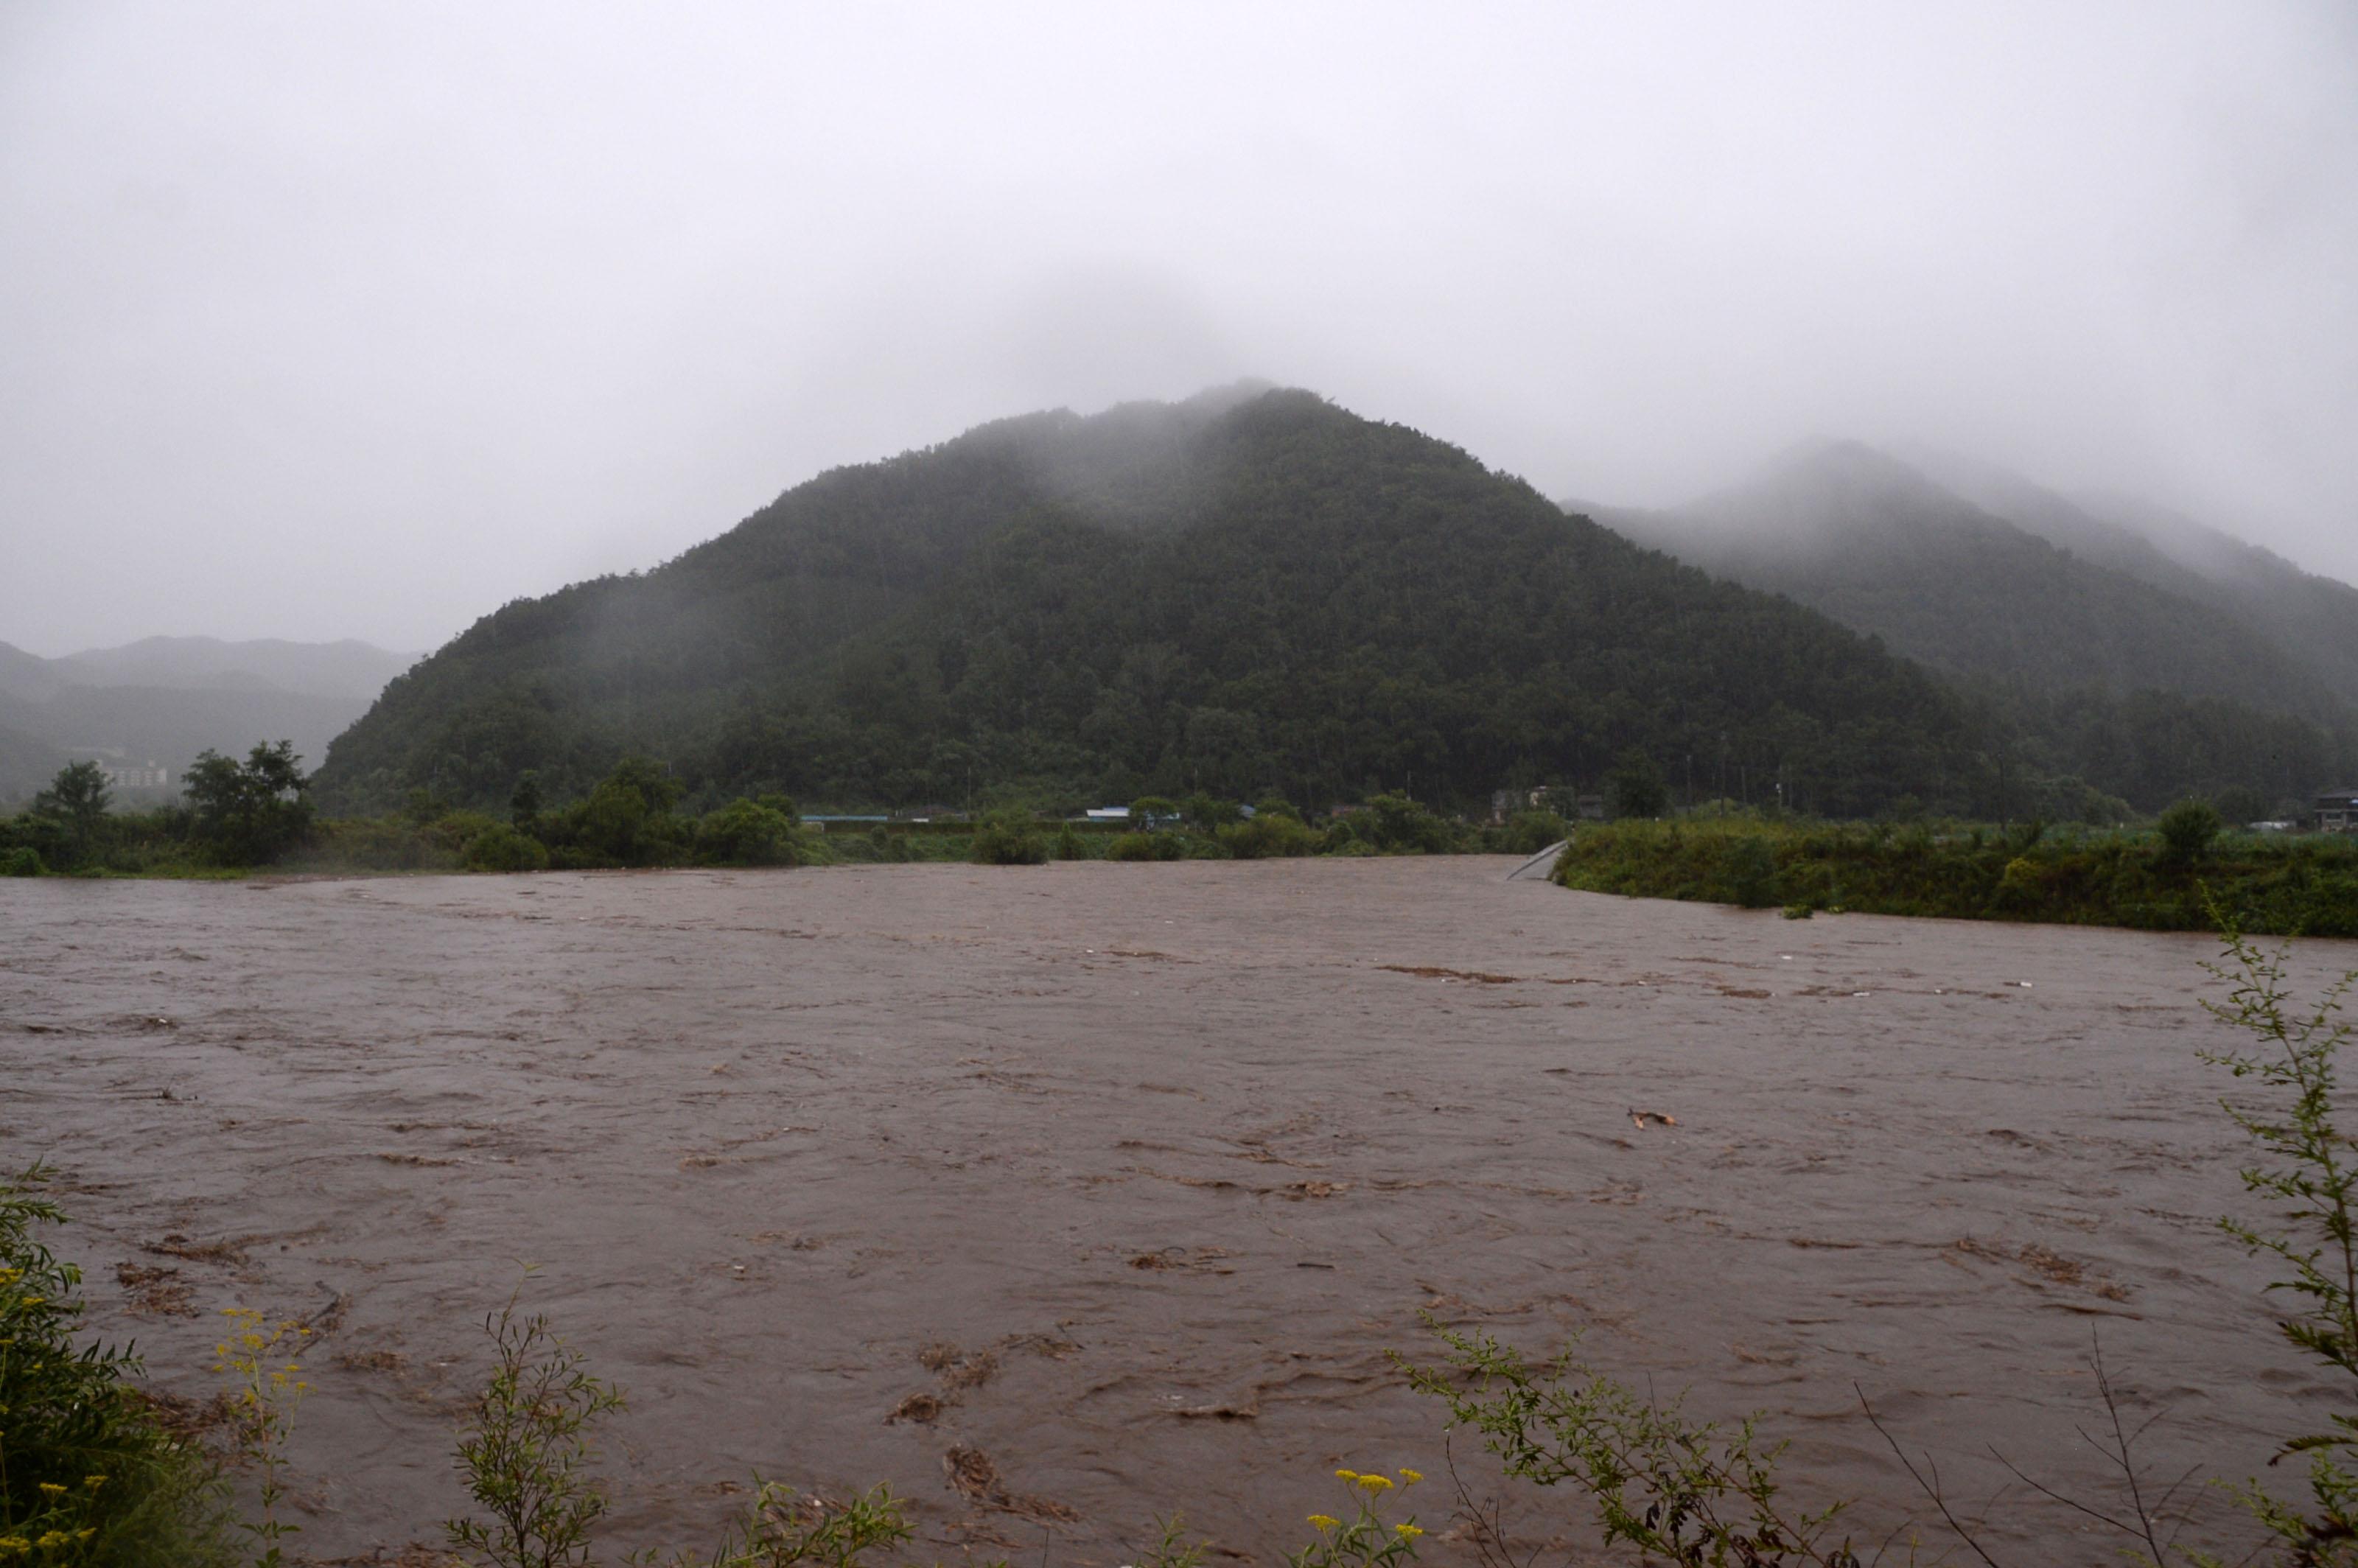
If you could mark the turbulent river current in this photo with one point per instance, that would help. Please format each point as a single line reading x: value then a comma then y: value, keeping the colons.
x: 1062, y: 1197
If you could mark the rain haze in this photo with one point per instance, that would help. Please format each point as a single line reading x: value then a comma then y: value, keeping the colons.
x: 360, y: 321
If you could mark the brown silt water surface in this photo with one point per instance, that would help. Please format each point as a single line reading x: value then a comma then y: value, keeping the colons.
x: 1063, y: 1196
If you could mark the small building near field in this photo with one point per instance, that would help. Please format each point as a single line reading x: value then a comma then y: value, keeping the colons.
x: 2337, y: 811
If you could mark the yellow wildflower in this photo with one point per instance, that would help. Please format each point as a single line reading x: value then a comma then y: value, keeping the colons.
x: 93, y: 1482
x: 1372, y: 1484
x: 53, y: 1488
x: 1407, y: 1532
x: 1324, y: 1521
x: 1411, y: 1478
x: 1347, y: 1475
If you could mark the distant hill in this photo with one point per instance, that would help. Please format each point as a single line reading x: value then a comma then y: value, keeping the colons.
x: 2312, y: 618
x: 2119, y: 659
x: 164, y: 700
x: 1877, y: 546
x: 1253, y: 590
x: 27, y: 763
x: 344, y: 669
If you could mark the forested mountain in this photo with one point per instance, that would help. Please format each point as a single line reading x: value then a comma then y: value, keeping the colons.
x: 1250, y: 592
x: 2114, y: 658
x: 2314, y: 620
x: 1879, y: 547
x: 164, y: 700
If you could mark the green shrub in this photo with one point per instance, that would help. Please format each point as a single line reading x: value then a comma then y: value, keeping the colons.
x: 84, y: 1461
x: 1668, y: 1487
x: 1528, y: 832
x: 1267, y: 838
x: 627, y: 820
x: 749, y: 833
x: 454, y: 830
x: 1752, y: 873
x: 1208, y: 812
x: 526, y: 1450
x: 500, y: 848
x: 21, y: 861
x: 1008, y: 837
x: 1395, y: 824
x: 1149, y: 809
x: 1148, y: 847
x: 2188, y: 829
x: 2309, y: 1193
x: 782, y: 1530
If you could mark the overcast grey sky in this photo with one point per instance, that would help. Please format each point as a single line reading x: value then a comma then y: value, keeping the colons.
x: 362, y: 320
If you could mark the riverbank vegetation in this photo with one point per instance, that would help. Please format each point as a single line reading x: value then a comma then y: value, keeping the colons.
x: 2160, y: 878
x: 258, y: 814
x: 87, y: 1475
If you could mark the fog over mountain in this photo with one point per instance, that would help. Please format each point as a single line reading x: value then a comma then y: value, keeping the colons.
x: 360, y: 321
x: 160, y: 701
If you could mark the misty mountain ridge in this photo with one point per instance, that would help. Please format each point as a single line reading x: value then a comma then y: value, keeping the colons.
x: 2313, y: 616
x: 1249, y: 590
x: 164, y: 700
x: 1984, y: 574
x: 347, y: 667
x: 1256, y: 590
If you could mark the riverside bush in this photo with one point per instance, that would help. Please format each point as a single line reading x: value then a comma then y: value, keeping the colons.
x: 87, y: 1476
x: 1268, y: 837
x: 502, y: 848
x: 1528, y: 832
x: 2268, y: 884
x: 749, y: 833
x: 1009, y: 839
x: 1149, y: 846
x: 526, y: 1449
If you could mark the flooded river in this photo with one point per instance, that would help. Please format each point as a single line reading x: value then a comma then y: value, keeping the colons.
x: 1118, y: 1182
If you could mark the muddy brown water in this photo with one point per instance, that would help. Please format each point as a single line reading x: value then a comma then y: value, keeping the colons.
x: 1126, y: 1177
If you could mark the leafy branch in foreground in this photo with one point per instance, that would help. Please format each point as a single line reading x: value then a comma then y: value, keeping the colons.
x: 1699, y: 1495
x: 781, y: 1529
x: 87, y: 1475
x: 2310, y: 1175
x: 526, y: 1449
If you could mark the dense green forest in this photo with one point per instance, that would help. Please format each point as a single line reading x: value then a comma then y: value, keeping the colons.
x: 1248, y: 593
